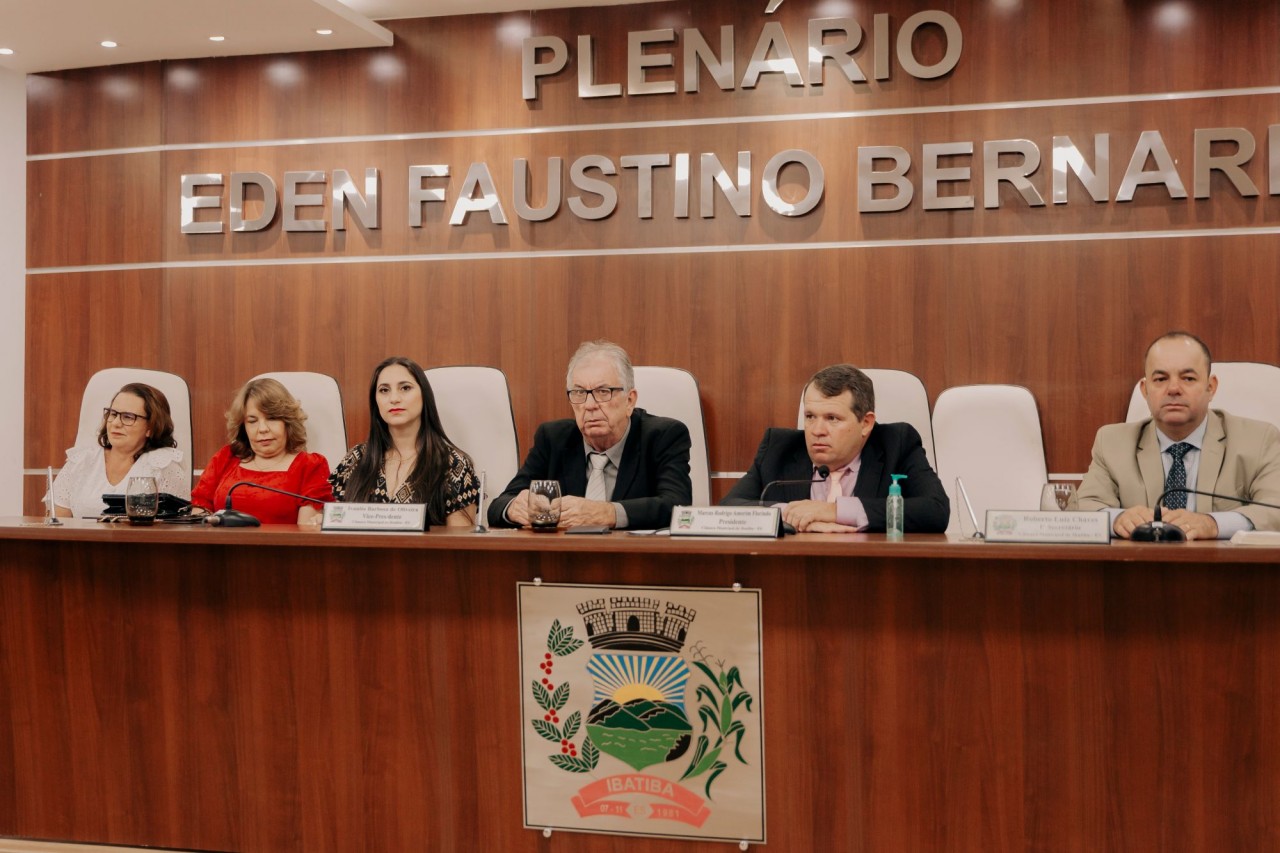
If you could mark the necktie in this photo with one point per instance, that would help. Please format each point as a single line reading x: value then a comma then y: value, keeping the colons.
x: 596, y: 490
x: 1177, y: 478
x: 833, y: 485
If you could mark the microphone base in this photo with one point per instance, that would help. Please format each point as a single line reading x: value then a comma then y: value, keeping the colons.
x: 233, y: 518
x: 1158, y: 531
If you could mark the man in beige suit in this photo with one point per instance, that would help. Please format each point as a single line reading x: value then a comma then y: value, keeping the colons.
x: 1185, y: 443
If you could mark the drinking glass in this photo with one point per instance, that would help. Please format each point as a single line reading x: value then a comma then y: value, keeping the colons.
x: 544, y: 505
x: 1057, y: 496
x: 141, y: 500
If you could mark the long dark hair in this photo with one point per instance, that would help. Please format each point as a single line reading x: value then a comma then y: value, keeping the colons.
x: 432, y: 465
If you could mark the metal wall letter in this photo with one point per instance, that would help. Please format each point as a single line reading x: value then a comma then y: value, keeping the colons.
x: 638, y: 61
x: 192, y: 202
x: 1151, y: 143
x: 698, y: 53
x: 869, y: 179
x: 1066, y: 156
x: 769, y: 182
x: 644, y: 165
x: 739, y: 197
x: 840, y: 52
x: 418, y: 194
x: 345, y: 194
x: 907, y: 56
x: 587, y: 87
x: 531, y: 69
x: 240, y: 181
x: 608, y: 195
x: 520, y: 191
x: 772, y: 36
x: 935, y: 175
x: 1227, y: 164
x: 478, y: 178
x: 993, y: 173
x: 294, y: 200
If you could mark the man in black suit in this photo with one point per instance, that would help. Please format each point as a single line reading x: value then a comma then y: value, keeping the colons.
x: 618, y: 466
x: 841, y: 434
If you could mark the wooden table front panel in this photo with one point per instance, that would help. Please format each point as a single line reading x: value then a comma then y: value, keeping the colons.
x: 320, y: 698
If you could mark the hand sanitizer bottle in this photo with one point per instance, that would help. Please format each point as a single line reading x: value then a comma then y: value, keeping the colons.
x: 894, y: 510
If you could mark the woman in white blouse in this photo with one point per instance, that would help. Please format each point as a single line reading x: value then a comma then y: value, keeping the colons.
x: 136, y: 440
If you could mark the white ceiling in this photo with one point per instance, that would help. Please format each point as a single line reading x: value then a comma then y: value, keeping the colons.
x: 50, y: 35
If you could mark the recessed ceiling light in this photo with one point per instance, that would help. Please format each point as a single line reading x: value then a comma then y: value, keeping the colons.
x: 324, y: 32
x: 217, y: 38
x: 108, y: 44
x: 6, y: 51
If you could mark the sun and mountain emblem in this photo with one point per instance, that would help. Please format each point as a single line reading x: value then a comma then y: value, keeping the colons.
x: 642, y: 684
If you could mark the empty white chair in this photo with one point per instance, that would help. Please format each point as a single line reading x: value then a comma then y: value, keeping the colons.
x: 321, y: 399
x: 989, y: 436
x: 900, y: 397
x: 104, y: 384
x: 1248, y: 389
x: 474, y: 403
x: 673, y: 393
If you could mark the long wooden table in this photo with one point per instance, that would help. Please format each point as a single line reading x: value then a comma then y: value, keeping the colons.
x: 285, y: 690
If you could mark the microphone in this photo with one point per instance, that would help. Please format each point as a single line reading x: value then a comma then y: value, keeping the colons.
x: 1157, y: 530
x: 823, y: 472
x: 229, y: 517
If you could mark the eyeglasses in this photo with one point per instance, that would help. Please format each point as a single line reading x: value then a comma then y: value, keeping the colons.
x: 126, y: 418
x: 603, y: 394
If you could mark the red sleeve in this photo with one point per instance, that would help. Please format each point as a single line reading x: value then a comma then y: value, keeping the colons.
x: 314, y: 482
x: 203, y: 494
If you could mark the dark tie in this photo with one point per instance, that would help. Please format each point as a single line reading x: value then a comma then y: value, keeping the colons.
x: 1177, y: 478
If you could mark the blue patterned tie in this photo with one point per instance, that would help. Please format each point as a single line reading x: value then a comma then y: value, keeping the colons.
x: 1177, y: 478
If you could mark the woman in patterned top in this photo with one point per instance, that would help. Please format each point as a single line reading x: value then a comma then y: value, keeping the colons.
x: 407, y: 457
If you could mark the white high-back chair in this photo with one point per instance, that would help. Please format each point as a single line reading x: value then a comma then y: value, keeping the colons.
x: 104, y: 384
x: 475, y: 410
x: 321, y: 399
x: 900, y: 397
x: 990, y: 437
x: 1249, y: 389
x: 673, y: 393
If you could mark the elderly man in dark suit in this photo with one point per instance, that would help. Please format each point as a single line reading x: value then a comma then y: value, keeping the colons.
x: 618, y: 465
x: 859, y: 455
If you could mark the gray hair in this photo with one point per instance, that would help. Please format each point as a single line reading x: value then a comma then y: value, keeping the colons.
x: 603, y: 349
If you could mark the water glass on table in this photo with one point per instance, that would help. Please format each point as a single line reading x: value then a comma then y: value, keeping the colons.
x: 544, y: 505
x: 141, y: 500
x: 1056, y: 497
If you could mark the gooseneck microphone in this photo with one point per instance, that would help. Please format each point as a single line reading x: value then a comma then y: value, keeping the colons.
x: 229, y: 517
x: 1157, y: 530
x: 823, y: 472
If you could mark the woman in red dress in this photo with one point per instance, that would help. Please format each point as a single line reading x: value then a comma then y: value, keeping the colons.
x: 268, y: 446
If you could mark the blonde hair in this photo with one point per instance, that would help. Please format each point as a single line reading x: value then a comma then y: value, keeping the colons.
x: 276, y: 403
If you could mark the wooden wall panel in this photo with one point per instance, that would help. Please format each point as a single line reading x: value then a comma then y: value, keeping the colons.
x: 93, y: 108
x: 77, y: 324
x: 95, y: 210
x: 1067, y: 318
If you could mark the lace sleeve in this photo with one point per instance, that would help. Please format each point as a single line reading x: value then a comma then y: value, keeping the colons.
x: 174, y: 480
x: 71, y: 477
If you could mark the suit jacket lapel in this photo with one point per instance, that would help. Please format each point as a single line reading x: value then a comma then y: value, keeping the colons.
x: 797, y: 467
x: 630, y: 466
x: 870, y: 469
x: 1149, y: 464
x: 574, y: 475
x: 1211, y: 457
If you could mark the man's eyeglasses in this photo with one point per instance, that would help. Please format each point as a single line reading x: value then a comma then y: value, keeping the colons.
x: 603, y: 394
x: 126, y: 418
